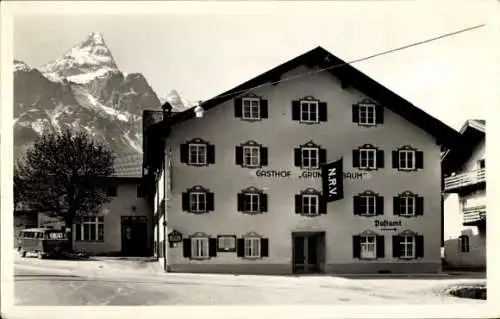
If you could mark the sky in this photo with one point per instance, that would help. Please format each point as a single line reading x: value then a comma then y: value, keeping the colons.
x: 202, y: 54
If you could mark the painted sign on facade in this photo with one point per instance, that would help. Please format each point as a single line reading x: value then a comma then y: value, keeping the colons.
x: 307, y: 174
x: 175, y: 237
x: 388, y: 225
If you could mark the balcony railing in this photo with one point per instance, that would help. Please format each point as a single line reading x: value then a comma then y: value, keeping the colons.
x: 465, y: 179
x: 475, y: 214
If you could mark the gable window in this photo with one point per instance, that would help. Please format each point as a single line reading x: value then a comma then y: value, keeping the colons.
x: 250, y: 108
x: 252, y: 245
x: 407, y: 158
x: 226, y: 243
x: 463, y: 242
x: 408, y: 204
x: 408, y: 245
x: 310, y: 203
x: 367, y: 113
x: 368, y: 245
x: 197, y: 200
x: 90, y: 228
x: 252, y: 200
x: 309, y: 156
x: 368, y: 203
x: 199, y: 246
x: 368, y: 157
x: 197, y: 152
x: 309, y: 110
x: 251, y: 155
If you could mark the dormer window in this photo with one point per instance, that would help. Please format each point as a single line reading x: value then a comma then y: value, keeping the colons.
x: 251, y: 155
x: 197, y: 152
x: 367, y: 113
x: 250, y: 108
x: 309, y: 156
x: 309, y: 110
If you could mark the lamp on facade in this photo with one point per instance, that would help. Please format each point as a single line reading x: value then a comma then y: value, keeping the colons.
x: 198, y: 110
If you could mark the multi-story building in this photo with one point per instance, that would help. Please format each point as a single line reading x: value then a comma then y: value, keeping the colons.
x: 245, y: 192
x: 464, y: 169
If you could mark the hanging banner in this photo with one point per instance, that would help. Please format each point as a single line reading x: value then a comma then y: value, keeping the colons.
x: 332, y: 176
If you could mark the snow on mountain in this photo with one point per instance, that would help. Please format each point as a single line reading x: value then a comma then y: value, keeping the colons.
x: 178, y: 103
x: 20, y: 66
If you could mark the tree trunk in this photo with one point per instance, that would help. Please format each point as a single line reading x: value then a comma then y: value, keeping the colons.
x: 68, y: 222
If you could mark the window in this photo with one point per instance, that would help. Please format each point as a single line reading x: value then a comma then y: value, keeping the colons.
x: 367, y: 158
x: 197, y: 202
x: 367, y: 114
x: 197, y: 154
x: 368, y: 205
x: 251, y: 156
x: 90, y: 229
x: 251, y: 109
x: 310, y: 204
x: 368, y: 247
x: 407, y: 159
x: 407, y: 246
x: 252, y: 200
x: 463, y: 242
x: 251, y: 203
x: 482, y: 163
x: 252, y: 247
x: 407, y: 205
x: 200, y: 248
x: 309, y: 111
x: 310, y: 157
x: 226, y: 243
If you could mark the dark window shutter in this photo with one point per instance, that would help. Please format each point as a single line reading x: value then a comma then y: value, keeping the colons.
x: 355, y: 113
x: 419, y: 205
x: 238, y: 107
x: 355, y: 158
x: 298, y: 204
x: 240, y: 247
x: 419, y: 246
x: 264, y: 156
x: 186, y: 248
x: 295, y: 110
x: 212, y: 247
x: 379, y: 114
x: 298, y: 157
x: 395, y: 159
x: 263, y: 202
x: 322, y: 156
x: 395, y: 246
x: 323, y: 204
x: 380, y: 247
x: 380, y: 159
x: 210, y: 154
x: 356, y: 246
x: 419, y: 160
x: 238, y: 151
x: 379, y: 205
x: 322, y: 112
x: 210, y: 202
x: 264, y: 247
x: 185, y: 202
x: 356, y: 205
x: 396, y: 205
x: 184, y: 153
x: 263, y: 109
x: 241, y: 202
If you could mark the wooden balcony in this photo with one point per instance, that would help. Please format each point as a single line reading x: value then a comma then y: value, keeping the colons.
x: 455, y: 183
x: 474, y: 215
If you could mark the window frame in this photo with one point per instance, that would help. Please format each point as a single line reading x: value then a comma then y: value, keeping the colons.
x: 257, y: 156
x: 309, y: 149
x: 247, y: 204
x: 403, y: 207
x: 197, y: 194
x: 368, y: 151
x: 97, y: 222
x: 309, y: 205
x: 226, y: 247
x: 249, y: 243
x: 413, y: 159
x: 464, y: 248
x: 364, y: 242
x: 203, y: 153
x: 250, y: 100
x: 204, y: 247
x: 367, y: 198
x: 309, y: 104
x: 403, y: 244
x: 367, y: 109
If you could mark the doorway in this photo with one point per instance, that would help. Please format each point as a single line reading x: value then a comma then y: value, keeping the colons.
x: 134, y: 231
x: 308, y: 252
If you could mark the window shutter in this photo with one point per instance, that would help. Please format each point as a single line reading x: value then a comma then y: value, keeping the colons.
x: 395, y: 159
x: 322, y: 156
x: 396, y: 242
x: 263, y: 109
x: 379, y: 114
x: 356, y: 246
x: 396, y: 205
x: 419, y: 246
x: 238, y: 107
x: 240, y: 247
x: 295, y: 110
x: 185, y: 202
x: 419, y: 159
x: 323, y: 204
x: 298, y: 204
x: 212, y: 247
x: 298, y: 157
x: 355, y: 158
x: 380, y: 247
x: 184, y: 153
x: 238, y: 151
x: 322, y: 112
x: 356, y: 205
x: 379, y: 205
x: 263, y: 156
x: 264, y: 247
x: 380, y: 159
x: 263, y: 202
x: 186, y: 248
x: 210, y: 202
x: 355, y: 113
x: 210, y: 154
x: 419, y: 206
x: 241, y: 202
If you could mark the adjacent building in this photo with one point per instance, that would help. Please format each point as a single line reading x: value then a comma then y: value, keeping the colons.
x: 464, y: 170
x: 239, y: 189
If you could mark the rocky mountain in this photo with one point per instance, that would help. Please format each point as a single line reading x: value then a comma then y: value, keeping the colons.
x: 178, y: 103
x: 83, y: 89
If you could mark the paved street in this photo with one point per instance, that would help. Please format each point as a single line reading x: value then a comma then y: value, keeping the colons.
x: 96, y: 283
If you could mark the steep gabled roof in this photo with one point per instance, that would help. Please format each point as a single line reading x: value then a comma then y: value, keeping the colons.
x: 349, y: 76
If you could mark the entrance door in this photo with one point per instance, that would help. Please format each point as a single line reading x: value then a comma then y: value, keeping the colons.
x: 134, y: 235
x: 307, y: 252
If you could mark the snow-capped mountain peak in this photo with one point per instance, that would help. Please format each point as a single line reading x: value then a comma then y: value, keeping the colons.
x: 178, y: 103
x: 21, y: 66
